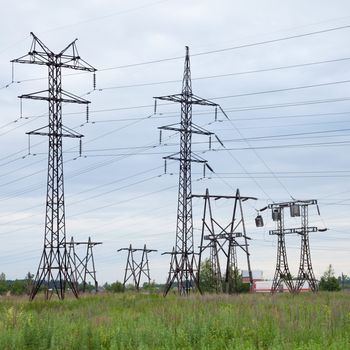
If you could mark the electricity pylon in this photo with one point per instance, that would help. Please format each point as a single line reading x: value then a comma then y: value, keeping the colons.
x: 226, y: 237
x: 282, y: 272
x: 306, y: 273
x: 83, y: 267
x: 298, y: 208
x: 135, y: 269
x: 183, y: 265
x: 54, y: 266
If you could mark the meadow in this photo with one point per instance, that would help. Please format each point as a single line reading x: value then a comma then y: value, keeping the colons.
x: 149, y: 321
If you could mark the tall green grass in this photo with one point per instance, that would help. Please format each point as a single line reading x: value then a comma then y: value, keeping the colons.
x: 136, y: 321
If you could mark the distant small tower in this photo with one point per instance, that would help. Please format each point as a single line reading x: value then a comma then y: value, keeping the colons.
x: 84, y: 266
x: 225, y: 238
x: 135, y: 269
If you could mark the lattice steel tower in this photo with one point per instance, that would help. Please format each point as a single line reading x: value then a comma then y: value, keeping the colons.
x: 214, y: 245
x: 306, y: 272
x: 298, y: 208
x: 135, y: 269
x: 225, y: 238
x: 54, y: 272
x: 282, y: 272
x: 83, y: 267
x: 183, y: 266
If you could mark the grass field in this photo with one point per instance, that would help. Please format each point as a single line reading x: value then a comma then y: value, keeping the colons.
x: 132, y: 321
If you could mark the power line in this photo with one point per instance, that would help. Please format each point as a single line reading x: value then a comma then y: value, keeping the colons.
x: 290, y: 172
x: 96, y: 138
x: 144, y: 84
x: 167, y: 115
x: 217, y: 51
x: 107, y: 16
x: 279, y: 126
x: 245, y: 171
x: 223, y: 75
x: 283, y: 89
x: 280, y: 135
x: 99, y: 186
x: 231, y: 48
x: 228, y: 109
x: 292, y: 116
x: 330, y: 143
x: 158, y: 153
x: 282, y: 176
x: 277, y: 137
x: 335, y: 143
x: 91, y: 197
x: 87, y: 169
x: 19, y: 126
x: 288, y: 104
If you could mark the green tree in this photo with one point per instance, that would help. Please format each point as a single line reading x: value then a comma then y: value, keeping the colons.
x: 150, y: 287
x: 235, y: 281
x: 3, y: 283
x: 130, y: 287
x: 18, y: 287
x: 88, y: 288
x: 116, y: 287
x: 236, y: 284
x: 344, y: 281
x: 207, y: 281
x: 328, y: 281
x: 29, y: 282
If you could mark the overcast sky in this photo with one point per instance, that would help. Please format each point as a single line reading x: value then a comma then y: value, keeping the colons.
x: 290, y: 143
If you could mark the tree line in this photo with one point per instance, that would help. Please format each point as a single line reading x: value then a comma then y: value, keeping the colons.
x: 328, y: 282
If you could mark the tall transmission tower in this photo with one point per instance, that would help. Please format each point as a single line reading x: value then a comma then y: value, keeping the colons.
x: 135, y: 269
x: 298, y: 208
x: 183, y: 265
x: 83, y: 267
x: 53, y: 271
x: 225, y: 238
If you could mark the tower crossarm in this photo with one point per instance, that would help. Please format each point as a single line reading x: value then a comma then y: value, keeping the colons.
x: 196, y: 100
x: 85, y: 243
x: 217, y: 197
x: 68, y: 132
x: 299, y: 230
x: 139, y: 250
x: 294, y: 202
x: 68, y: 97
x: 40, y: 54
x: 194, y: 129
x: 173, y: 253
x: 177, y: 156
x: 187, y: 98
x: 226, y: 236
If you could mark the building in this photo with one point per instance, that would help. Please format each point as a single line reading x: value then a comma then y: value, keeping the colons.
x: 257, y: 276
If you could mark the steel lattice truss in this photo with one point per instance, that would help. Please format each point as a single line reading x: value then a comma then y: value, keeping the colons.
x: 82, y: 267
x: 224, y: 239
x: 282, y: 272
x: 305, y: 272
x: 135, y: 269
x: 183, y: 265
x: 53, y: 272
